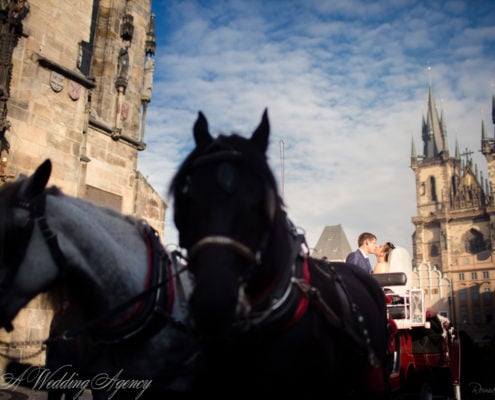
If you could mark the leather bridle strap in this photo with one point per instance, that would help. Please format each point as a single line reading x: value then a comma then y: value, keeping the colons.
x: 36, y: 210
x: 218, y: 240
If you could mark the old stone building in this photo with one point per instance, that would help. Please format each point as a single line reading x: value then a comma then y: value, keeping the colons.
x: 75, y: 82
x: 454, y: 238
x: 332, y: 244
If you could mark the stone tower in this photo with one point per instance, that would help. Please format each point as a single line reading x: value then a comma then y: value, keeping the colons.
x: 453, y: 242
x: 75, y: 82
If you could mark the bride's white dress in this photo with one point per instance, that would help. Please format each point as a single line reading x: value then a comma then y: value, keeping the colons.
x: 400, y: 261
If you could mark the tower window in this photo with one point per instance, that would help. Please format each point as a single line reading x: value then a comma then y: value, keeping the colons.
x: 433, y: 189
x: 422, y: 190
x: 474, y: 241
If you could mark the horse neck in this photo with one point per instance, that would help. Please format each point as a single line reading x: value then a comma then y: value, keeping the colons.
x: 277, y: 254
x: 106, y: 253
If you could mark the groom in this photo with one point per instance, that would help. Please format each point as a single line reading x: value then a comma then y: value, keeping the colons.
x: 360, y: 257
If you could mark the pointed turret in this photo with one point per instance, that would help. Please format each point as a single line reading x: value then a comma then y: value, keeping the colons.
x: 443, y: 127
x: 414, y: 155
x: 485, y: 140
x: 434, y: 132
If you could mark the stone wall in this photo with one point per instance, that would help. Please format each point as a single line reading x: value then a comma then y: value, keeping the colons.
x: 83, y: 122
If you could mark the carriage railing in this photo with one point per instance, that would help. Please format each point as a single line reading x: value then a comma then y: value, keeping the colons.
x: 408, y: 310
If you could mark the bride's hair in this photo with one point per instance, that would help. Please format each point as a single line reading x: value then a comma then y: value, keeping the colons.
x: 387, y: 248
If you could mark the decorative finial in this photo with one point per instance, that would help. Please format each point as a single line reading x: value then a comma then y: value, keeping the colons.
x: 429, y: 74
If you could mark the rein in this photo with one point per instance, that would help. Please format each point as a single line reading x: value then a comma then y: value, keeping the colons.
x: 358, y: 334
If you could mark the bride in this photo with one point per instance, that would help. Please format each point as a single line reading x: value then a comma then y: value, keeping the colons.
x: 382, y: 258
x: 392, y: 258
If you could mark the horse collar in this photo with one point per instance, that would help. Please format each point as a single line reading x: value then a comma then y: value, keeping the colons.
x: 149, y: 308
x: 282, y: 304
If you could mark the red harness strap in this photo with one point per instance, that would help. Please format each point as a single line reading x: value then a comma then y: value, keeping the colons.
x: 304, y: 299
x: 152, y: 263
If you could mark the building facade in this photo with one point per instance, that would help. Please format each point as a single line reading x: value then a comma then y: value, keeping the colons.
x: 75, y: 82
x: 454, y: 238
x: 332, y: 244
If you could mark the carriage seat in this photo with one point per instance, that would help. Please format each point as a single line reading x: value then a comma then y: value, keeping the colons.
x: 395, y: 307
x: 391, y: 279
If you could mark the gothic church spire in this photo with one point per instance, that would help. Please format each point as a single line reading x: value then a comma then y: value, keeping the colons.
x: 434, y: 131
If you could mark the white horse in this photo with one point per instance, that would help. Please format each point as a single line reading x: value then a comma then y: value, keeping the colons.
x: 113, y: 268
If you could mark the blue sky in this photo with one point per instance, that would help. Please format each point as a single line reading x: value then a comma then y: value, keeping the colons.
x: 346, y: 86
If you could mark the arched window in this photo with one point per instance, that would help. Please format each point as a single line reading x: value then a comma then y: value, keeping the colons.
x: 434, y: 250
x: 474, y: 241
x: 475, y: 293
x: 433, y: 189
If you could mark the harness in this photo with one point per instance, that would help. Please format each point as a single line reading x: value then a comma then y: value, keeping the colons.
x: 286, y: 300
x: 149, y: 310
x: 282, y: 303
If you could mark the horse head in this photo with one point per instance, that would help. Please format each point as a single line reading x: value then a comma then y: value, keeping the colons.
x: 226, y: 202
x: 21, y: 244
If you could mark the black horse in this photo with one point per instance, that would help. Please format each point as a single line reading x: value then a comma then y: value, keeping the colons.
x: 271, y: 320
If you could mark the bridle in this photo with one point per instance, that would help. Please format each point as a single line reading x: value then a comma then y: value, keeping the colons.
x: 219, y: 240
x: 282, y: 302
x: 252, y: 255
x: 36, y: 209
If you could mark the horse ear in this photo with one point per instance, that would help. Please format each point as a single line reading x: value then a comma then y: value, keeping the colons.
x: 262, y: 132
x: 36, y: 183
x: 201, y: 135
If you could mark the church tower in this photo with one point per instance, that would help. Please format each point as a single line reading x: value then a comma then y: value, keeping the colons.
x: 453, y: 242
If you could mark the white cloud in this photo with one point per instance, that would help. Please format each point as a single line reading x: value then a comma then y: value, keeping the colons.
x: 345, y: 84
